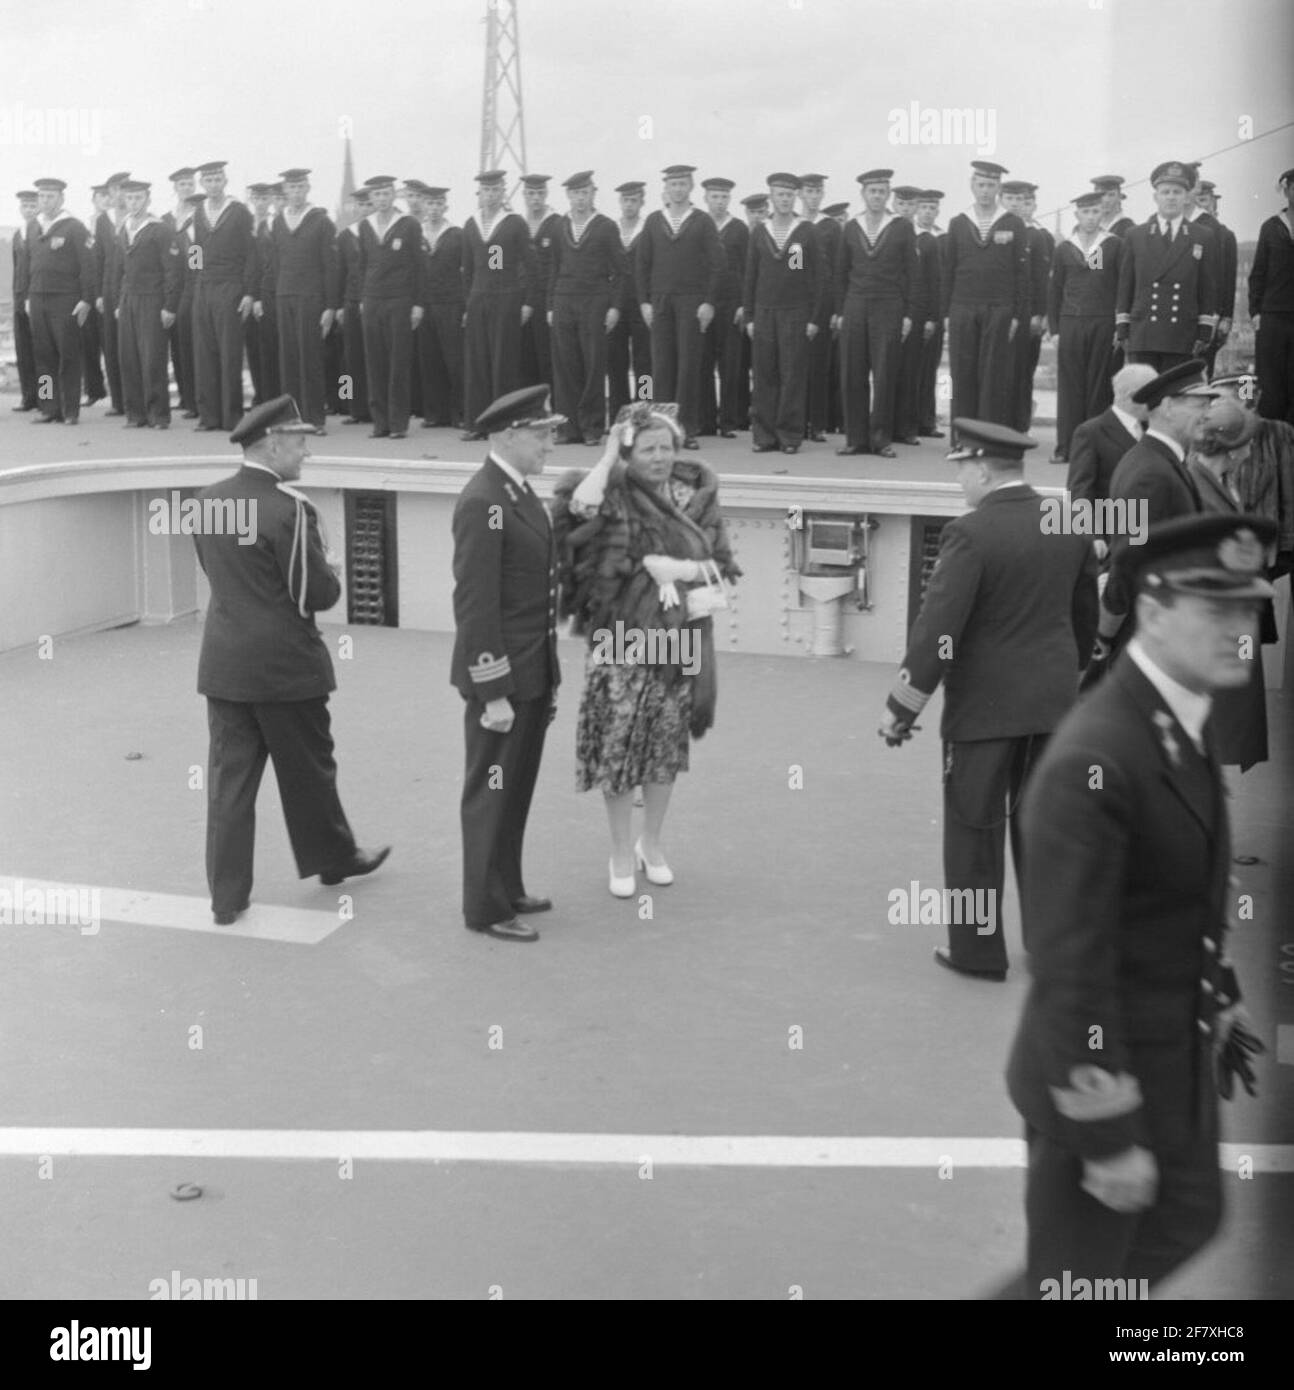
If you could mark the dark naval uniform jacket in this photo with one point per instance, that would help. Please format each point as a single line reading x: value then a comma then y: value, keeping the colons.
x: 988, y: 623
x: 260, y: 643
x: 61, y: 260
x: 505, y: 591
x: 1168, y: 295
x: 1096, y: 450
x: 1124, y: 902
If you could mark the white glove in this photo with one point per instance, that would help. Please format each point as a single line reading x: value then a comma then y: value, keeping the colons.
x: 666, y: 570
x: 668, y: 596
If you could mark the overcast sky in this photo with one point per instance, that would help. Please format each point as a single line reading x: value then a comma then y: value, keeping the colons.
x: 1064, y: 89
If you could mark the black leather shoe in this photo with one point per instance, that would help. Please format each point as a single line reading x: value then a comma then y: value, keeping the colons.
x: 398, y: 434
x: 359, y: 866
x: 909, y: 439
x: 511, y: 930
x: 529, y: 904
x: 942, y: 957
x: 202, y: 429
x: 790, y: 448
x: 378, y: 434
x: 931, y: 434
x: 353, y: 420
x: 849, y: 451
x: 886, y: 452
x: 48, y: 420
x: 188, y: 415
x: 817, y: 437
x: 763, y: 448
x: 227, y: 919
x: 692, y: 442
x: 108, y: 413
x: 727, y: 434
x: 1058, y: 457
x: 21, y: 408
x: 471, y: 437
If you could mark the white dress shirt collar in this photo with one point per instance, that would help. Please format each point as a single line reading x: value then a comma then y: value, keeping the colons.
x: 1129, y: 422
x: 510, y: 471
x: 1189, y: 709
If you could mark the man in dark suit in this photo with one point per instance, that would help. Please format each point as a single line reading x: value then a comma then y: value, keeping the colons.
x: 180, y: 221
x: 587, y: 286
x: 1007, y: 622
x: 392, y: 304
x: 930, y: 243
x: 1080, y: 311
x: 264, y: 667
x: 1271, y: 308
x: 61, y: 287
x: 542, y: 222
x: 1167, y: 299
x: 678, y: 269
x: 501, y: 273
x: 505, y: 656
x: 1154, y: 483
x: 302, y: 287
x: 148, y: 279
x: 629, y: 342
x: 440, y: 335
x: 1133, y: 1005
x: 23, y: 347
x: 107, y: 247
x: 828, y: 232
x: 985, y: 299
x: 1227, y: 263
x: 875, y: 271
x: 721, y: 345
x: 1100, y: 443
x: 225, y: 247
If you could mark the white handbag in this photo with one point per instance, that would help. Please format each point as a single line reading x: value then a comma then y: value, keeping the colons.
x: 709, y: 597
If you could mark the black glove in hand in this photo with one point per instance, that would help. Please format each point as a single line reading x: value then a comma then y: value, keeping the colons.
x: 1201, y: 346
x: 1233, y: 1059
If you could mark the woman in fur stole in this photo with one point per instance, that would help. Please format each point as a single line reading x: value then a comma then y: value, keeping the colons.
x: 633, y: 536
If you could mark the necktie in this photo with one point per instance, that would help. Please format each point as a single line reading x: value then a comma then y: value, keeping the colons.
x: 1168, y: 231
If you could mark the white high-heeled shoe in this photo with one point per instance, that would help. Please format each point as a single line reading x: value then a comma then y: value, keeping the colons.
x: 660, y: 874
x: 620, y: 887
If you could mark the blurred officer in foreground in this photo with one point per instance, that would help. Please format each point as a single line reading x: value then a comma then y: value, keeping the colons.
x: 1133, y: 1022
x: 1007, y: 622
x: 264, y: 667
x: 505, y: 656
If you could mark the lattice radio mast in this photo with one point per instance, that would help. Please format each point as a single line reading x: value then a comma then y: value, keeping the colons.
x: 503, y: 124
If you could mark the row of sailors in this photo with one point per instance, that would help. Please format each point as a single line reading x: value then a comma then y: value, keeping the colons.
x: 401, y: 305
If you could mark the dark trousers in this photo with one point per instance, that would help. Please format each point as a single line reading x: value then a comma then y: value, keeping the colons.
x: 1082, y: 374
x: 983, y: 780
x: 1070, y: 1230
x: 907, y: 393
x: 261, y: 338
x: 780, y: 354
x: 388, y: 349
x: 296, y: 735
x: 835, y: 401
x: 628, y: 360
x: 981, y: 358
x: 56, y: 341
x: 92, y: 356
x: 182, y: 351
x: 218, y: 353
x: 352, y: 389
x: 721, y: 355
x: 537, y: 348
x: 301, y: 353
x: 141, y: 342
x: 111, y: 354
x: 816, y: 389
x: 1028, y: 346
x: 1274, y: 363
x: 869, y: 358
x: 579, y: 342
x: 25, y: 349
x: 744, y: 381
x: 932, y: 352
x: 334, y: 357
x: 492, y: 349
x: 676, y: 356
x: 498, y: 784
x: 440, y: 362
